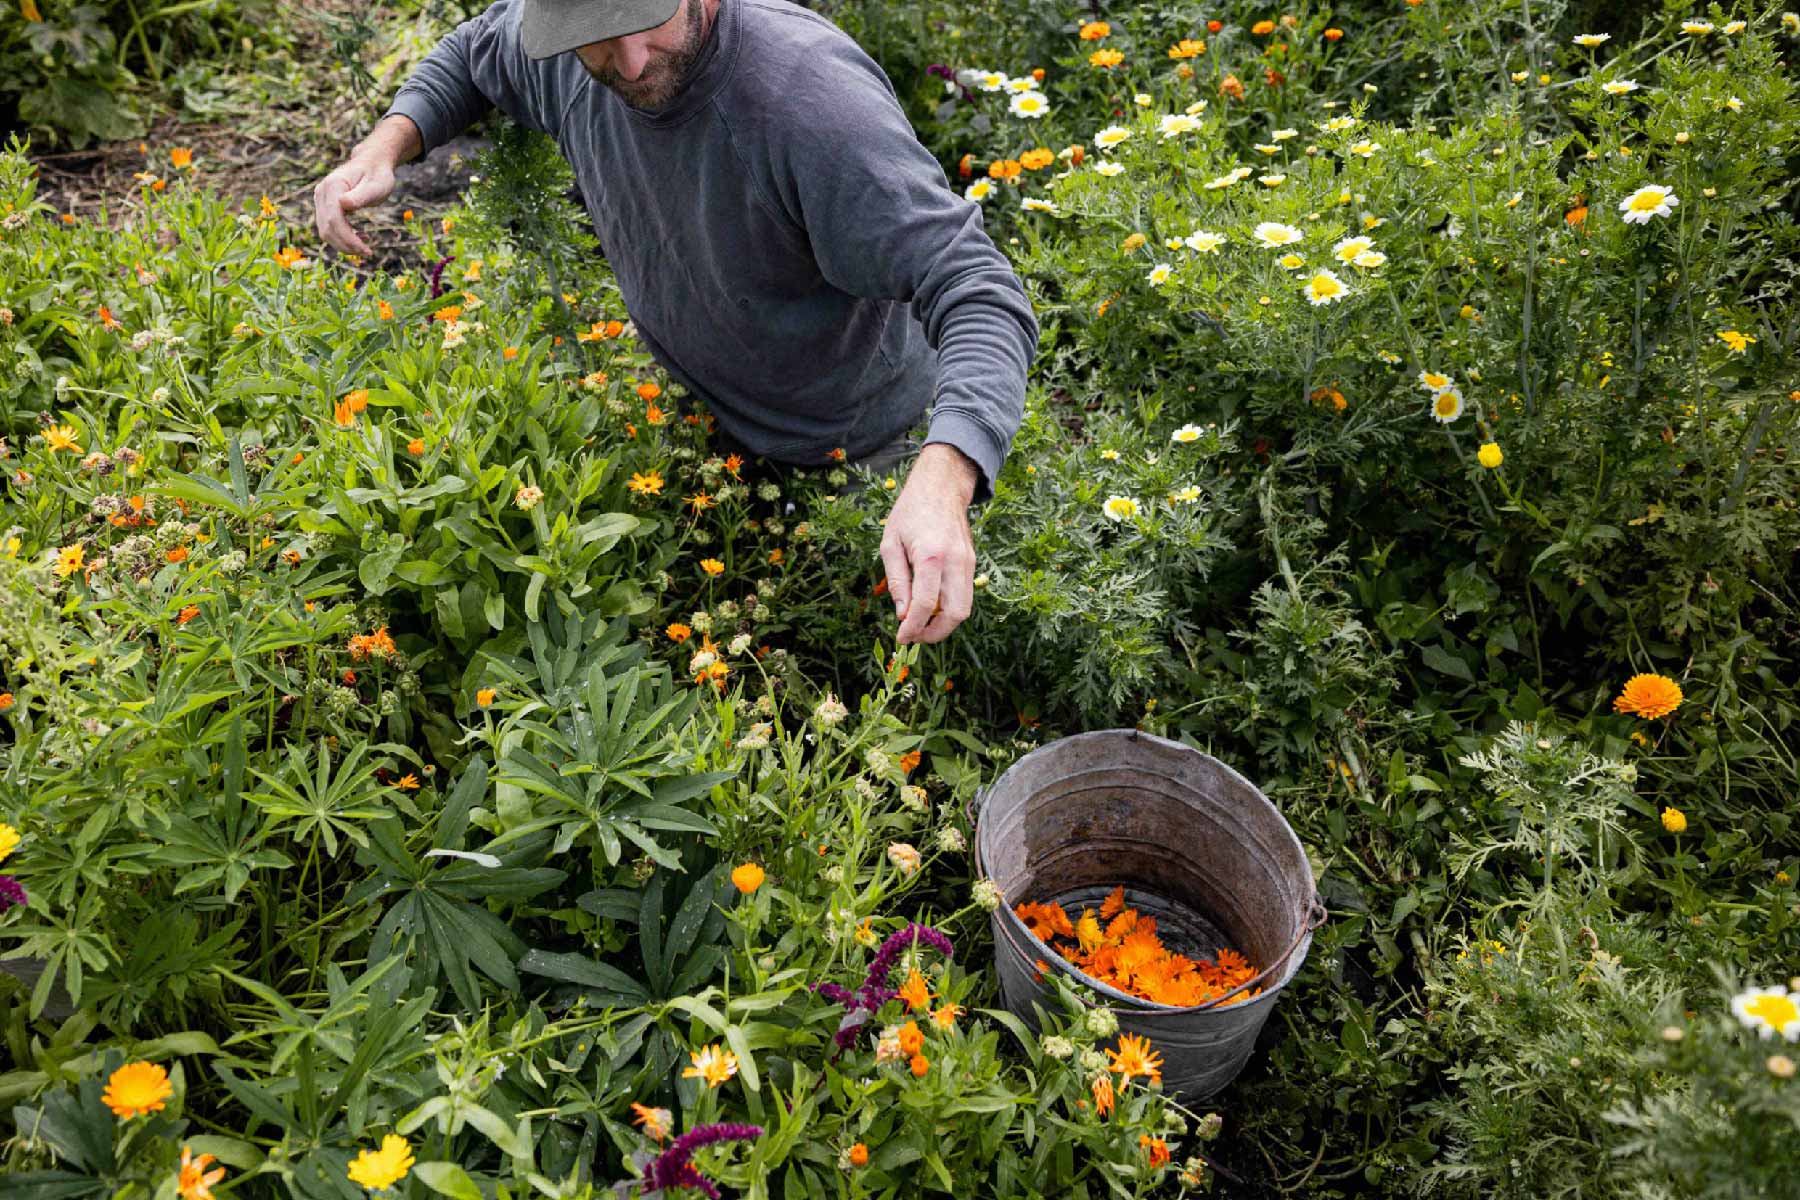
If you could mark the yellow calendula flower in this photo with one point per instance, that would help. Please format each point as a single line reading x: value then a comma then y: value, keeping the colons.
x: 1674, y: 820
x: 9, y: 840
x: 381, y: 1169
x: 714, y: 1063
x: 62, y: 437
x: 1649, y: 696
x: 1489, y: 455
x: 1737, y: 341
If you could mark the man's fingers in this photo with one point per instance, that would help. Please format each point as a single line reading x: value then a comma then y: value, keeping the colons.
x: 370, y: 189
x: 956, y: 597
x: 899, y: 575
x: 328, y: 212
x: 927, y: 573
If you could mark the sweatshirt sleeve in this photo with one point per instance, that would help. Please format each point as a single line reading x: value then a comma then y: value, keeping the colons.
x: 884, y: 223
x: 480, y: 63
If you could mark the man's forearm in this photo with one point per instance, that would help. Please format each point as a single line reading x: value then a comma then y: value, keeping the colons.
x: 394, y: 140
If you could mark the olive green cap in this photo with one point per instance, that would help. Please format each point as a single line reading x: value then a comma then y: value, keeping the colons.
x: 551, y: 27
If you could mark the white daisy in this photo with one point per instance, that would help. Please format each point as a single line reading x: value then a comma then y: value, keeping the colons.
x: 1349, y: 248
x: 1271, y: 181
x: 1264, y: 148
x: 980, y: 190
x: 1368, y: 260
x: 1619, y: 87
x: 1434, y: 381
x: 1111, y: 136
x: 1338, y: 124
x: 1186, y: 434
x: 1223, y: 181
x: 1447, y: 404
x: 1176, y: 124
x: 1366, y: 149
x: 1274, y: 233
x: 1324, y: 288
x: 1291, y: 262
x: 1651, y: 200
x: 1196, y: 108
x: 1030, y: 104
x: 1696, y: 28
x: 1033, y: 204
x: 1769, y: 1011
x: 1120, y: 508
x: 1109, y: 168
x: 1202, y: 242
x: 1186, y: 495
x: 1591, y: 39
x: 1142, y: 100
x: 1021, y: 84
x: 1159, y: 274
x: 990, y: 81
x: 1282, y: 135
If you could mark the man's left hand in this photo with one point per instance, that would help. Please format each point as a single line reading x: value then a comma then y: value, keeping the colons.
x: 927, y: 550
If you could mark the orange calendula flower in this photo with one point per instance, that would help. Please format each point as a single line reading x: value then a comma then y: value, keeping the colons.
x: 407, y: 782
x: 747, y: 877
x: 911, y: 1039
x: 678, y: 632
x: 859, y: 1155
x: 1135, y: 1057
x: 1036, y: 159
x: 776, y: 555
x: 416, y: 447
x: 1155, y: 1148
x: 699, y: 502
x: 915, y: 993
x: 384, y: 310
x: 1105, y: 59
x: 944, y: 1017
x: 656, y: 1122
x: 837, y: 454
x: 137, y: 1088
x: 289, y: 257
x: 485, y: 697
x: 1232, y: 87
x: 70, y: 559
x: 1263, y: 28
x: 919, y: 1065
x: 646, y: 483
x: 712, y: 566
x: 648, y: 392
x: 652, y: 414
x: 194, y: 1181
x: 1576, y: 215
x: 1093, y: 31
x: 909, y: 761
x: 379, y: 644
x: 1005, y: 168
x: 181, y: 156
x: 1187, y: 48
x: 62, y: 437
x: 1649, y: 696
x: 187, y: 614
x: 1103, y: 1093
x: 6, y: 701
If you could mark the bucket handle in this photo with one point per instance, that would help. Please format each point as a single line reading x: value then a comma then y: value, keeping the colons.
x: 1314, y: 915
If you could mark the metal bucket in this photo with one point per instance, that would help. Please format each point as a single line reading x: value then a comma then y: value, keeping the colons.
x: 1195, y: 845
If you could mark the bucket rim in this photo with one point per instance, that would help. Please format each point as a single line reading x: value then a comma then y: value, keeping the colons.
x: 1312, y: 914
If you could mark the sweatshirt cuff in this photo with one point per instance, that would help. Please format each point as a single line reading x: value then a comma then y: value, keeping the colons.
x: 974, y: 439
x: 416, y: 108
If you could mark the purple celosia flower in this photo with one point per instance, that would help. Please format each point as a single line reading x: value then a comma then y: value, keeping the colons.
x: 875, y: 992
x: 11, y: 894
x: 437, y: 274
x: 671, y: 1168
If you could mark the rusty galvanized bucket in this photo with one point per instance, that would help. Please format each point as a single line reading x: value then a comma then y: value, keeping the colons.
x: 1195, y: 844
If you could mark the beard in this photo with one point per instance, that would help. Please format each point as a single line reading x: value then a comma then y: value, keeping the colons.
x: 665, y: 74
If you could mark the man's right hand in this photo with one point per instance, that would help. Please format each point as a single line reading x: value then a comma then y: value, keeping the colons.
x: 366, y: 178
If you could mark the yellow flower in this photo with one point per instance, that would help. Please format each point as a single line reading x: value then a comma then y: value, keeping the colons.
x: 1106, y: 58
x: 381, y: 1169
x: 646, y: 483
x: 9, y: 837
x: 1768, y: 1011
x: 137, y: 1088
x: 1737, y: 341
x: 1093, y: 31
x: 1674, y: 820
x: 62, y: 437
x: 712, y: 566
x: 485, y: 697
x: 1120, y: 508
x: 747, y: 877
x: 714, y: 1063
x: 69, y: 560
x: 1489, y: 455
x: 1649, y: 696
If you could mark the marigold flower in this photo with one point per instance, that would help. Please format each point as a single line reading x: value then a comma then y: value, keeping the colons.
x: 1738, y: 342
x: 1093, y: 31
x: 647, y: 483
x: 1489, y: 455
x: 1649, y: 696
x: 484, y: 697
x: 859, y: 1155
x: 656, y: 1122
x: 1036, y: 159
x: 9, y: 837
x: 1135, y: 1057
x: 919, y: 1065
x: 917, y: 997
x: 1231, y: 87
x: 648, y: 392
x: 1155, y: 1148
x: 1334, y: 35
x: 712, y: 566
x: 137, y: 1088
x: 1263, y: 28
x: 187, y: 614
x: 747, y: 877
x: 1674, y: 820
x: 378, y: 1170
x: 1187, y: 48
x: 713, y: 1063
x: 1102, y: 1089
x: 193, y: 1181
x: 62, y: 437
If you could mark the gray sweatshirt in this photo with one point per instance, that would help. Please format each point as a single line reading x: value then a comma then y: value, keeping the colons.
x: 786, y: 247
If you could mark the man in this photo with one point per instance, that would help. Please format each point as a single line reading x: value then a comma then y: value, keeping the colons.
x: 787, y: 249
